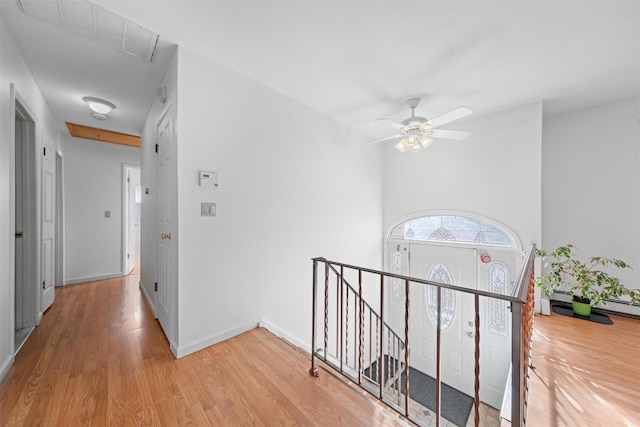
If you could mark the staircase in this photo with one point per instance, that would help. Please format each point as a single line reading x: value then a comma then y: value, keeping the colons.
x: 353, y: 338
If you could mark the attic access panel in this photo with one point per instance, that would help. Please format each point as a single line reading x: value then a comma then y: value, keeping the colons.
x: 92, y: 21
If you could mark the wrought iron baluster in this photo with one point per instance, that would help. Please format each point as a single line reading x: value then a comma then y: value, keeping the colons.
x: 361, y: 328
x: 314, y: 369
x: 341, y: 308
x: 406, y: 348
x: 381, y: 360
x: 346, y: 329
x: 438, y: 361
x: 326, y: 309
x: 476, y: 403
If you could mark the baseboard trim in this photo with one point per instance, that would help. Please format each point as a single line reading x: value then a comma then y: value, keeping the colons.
x: 6, y: 365
x: 281, y: 333
x: 148, y: 298
x: 185, y: 350
x: 92, y: 278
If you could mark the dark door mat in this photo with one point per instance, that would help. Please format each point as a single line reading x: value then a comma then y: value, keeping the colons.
x: 564, y: 309
x: 455, y: 405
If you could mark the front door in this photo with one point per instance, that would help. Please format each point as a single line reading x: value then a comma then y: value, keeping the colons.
x: 451, y: 265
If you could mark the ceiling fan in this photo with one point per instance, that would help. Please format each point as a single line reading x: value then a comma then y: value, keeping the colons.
x: 418, y: 132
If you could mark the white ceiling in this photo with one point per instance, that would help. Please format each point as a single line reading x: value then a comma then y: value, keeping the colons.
x: 355, y: 60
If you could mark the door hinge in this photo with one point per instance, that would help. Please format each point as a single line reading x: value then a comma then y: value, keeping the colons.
x: 128, y: 256
x: 128, y: 179
x: 44, y: 151
x: 156, y: 148
x: 43, y: 284
x: 155, y: 288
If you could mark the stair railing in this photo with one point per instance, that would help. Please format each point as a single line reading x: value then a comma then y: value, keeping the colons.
x: 360, y: 344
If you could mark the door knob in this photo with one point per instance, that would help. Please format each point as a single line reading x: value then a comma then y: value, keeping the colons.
x: 166, y: 236
x: 470, y: 322
x: 470, y: 334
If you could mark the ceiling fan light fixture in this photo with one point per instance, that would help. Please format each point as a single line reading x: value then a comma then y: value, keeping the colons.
x: 98, y: 105
x: 425, y: 141
x: 401, y: 147
x: 416, y: 148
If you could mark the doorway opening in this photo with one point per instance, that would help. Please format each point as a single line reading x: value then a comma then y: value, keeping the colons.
x: 131, y: 215
x: 26, y: 290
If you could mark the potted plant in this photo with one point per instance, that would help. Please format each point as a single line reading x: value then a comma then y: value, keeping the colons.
x: 589, y: 285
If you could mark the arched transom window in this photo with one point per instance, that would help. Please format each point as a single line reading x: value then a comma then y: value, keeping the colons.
x: 453, y: 228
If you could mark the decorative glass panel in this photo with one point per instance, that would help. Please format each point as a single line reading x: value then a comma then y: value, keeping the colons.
x: 440, y: 273
x: 397, y: 290
x: 456, y: 228
x: 497, y: 309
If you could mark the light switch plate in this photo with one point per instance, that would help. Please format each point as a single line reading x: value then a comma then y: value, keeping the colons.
x: 207, y: 209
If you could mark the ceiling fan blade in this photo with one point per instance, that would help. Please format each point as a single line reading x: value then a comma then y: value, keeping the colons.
x: 391, y: 123
x: 450, y: 134
x: 388, y: 138
x: 452, y: 115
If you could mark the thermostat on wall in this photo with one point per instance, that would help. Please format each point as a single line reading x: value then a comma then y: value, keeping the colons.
x: 208, y: 179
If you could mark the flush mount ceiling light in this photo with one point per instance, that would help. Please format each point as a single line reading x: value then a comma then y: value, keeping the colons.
x: 418, y: 132
x: 99, y: 106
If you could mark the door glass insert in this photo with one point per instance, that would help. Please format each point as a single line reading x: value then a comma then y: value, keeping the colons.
x: 497, y: 309
x: 440, y: 273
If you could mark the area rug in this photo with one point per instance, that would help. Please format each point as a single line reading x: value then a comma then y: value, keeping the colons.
x: 564, y: 309
x: 455, y: 405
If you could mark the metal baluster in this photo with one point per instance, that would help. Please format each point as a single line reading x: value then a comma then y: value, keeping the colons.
x: 476, y: 403
x: 381, y: 360
x: 406, y: 347
x: 346, y: 330
x: 438, y: 336
x: 370, y: 342
x: 361, y: 347
x: 326, y: 309
x: 341, y: 308
x: 388, y: 376
x: 314, y: 369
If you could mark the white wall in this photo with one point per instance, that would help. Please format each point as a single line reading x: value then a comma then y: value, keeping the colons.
x: 495, y: 173
x: 294, y: 184
x: 93, y: 185
x: 14, y: 70
x: 591, y: 183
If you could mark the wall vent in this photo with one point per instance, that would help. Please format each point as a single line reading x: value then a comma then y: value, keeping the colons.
x: 90, y: 20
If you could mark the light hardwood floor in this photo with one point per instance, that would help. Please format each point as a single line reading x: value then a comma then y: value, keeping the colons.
x: 99, y: 358
x: 586, y: 373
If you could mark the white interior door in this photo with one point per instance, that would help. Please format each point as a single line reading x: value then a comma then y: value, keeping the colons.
x: 166, y: 296
x: 48, y: 225
x: 457, y: 266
